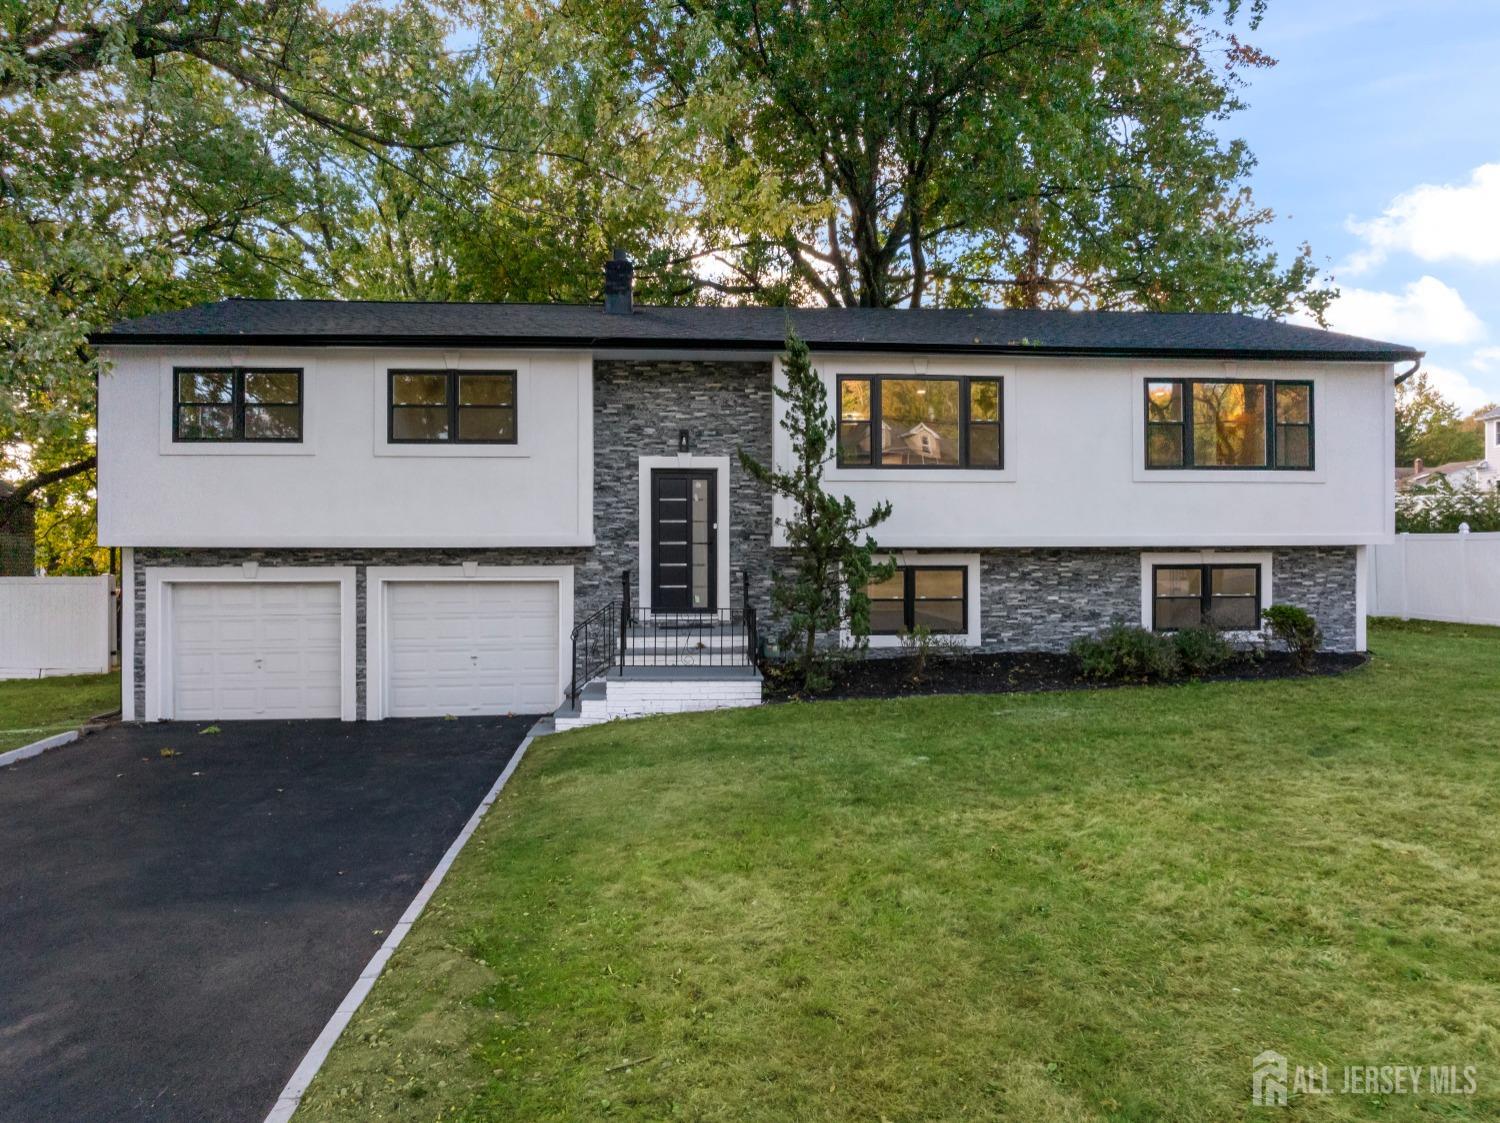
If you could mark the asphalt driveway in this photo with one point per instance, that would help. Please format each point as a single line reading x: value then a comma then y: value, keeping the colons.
x: 180, y: 913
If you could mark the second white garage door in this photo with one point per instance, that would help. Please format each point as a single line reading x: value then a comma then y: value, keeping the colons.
x: 471, y: 647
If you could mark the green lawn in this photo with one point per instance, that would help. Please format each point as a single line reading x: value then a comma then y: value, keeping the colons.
x: 1061, y: 907
x: 33, y: 708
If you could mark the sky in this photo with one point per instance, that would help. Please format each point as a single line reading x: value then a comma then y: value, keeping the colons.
x: 1378, y: 140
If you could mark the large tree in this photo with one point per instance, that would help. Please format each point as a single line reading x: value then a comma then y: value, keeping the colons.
x: 1032, y: 153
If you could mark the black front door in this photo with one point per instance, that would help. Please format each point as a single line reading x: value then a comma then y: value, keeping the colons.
x: 684, y: 527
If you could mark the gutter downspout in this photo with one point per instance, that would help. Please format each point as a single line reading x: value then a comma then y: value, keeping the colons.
x: 1416, y: 365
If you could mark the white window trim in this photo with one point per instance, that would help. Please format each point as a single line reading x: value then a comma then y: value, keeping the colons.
x: 159, y: 583
x: 225, y: 357
x: 1262, y: 559
x: 1141, y: 373
x: 973, y: 634
x: 683, y: 462
x: 379, y: 578
x: 831, y: 367
x: 460, y: 361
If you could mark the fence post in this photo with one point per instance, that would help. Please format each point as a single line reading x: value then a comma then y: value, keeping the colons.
x: 1401, y: 540
x: 624, y: 614
x: 1463, y: 572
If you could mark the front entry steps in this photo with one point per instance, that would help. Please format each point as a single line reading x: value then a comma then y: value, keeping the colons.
x: 640, y: 691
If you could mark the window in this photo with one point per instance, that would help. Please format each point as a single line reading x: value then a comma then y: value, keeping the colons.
x: 891, y: 421
x: 934, y: 597
x: 236, y: 404
x: 1229, y: 424
x: 459, y: 406
x: 1226, y: 597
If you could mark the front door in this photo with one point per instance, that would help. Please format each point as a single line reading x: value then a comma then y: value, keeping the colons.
x: 684, y: 527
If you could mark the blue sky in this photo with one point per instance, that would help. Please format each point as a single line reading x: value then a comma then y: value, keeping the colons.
x: 1378, y: 140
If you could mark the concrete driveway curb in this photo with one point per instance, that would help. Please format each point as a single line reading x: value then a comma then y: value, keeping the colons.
x: 37, y: 748
x: 312, y: 1062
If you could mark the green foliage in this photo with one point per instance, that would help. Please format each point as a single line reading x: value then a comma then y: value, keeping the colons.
x: 1201, y: 651
x: 831, y: 549
x: 1441, y: 508
x: 1124, y: 653
x: 1296, y: 630
x: 1032, y: 153
x: 922, y: 647
x: 1430, y: 427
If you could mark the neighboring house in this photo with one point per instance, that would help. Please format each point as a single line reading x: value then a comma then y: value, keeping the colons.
x: 18, y: 539
x: 1460, y: 472
x: 364, y: 510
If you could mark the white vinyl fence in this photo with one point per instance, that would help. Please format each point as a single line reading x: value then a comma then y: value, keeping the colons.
x: 1452, y: 577
x: 56, y: 626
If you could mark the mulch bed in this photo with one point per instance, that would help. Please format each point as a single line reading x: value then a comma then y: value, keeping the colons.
x: 1015, y: 673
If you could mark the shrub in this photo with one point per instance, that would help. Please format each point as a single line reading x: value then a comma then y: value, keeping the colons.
x: 1296, y: 630
x: 1201, y: 651
x: 922, y: 647
x: 1127, y: 653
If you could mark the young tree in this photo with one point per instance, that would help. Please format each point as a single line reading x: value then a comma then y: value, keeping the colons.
x: 830, y: 542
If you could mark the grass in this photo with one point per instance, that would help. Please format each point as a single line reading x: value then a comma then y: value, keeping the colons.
x: 33, y: 708
x: 1041, y: 908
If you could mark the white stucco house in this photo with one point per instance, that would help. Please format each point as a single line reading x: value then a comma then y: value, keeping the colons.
x: 366, y: 510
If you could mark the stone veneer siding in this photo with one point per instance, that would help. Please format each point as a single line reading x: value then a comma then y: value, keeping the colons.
x: 639, y: 406
x: 1042, y: 600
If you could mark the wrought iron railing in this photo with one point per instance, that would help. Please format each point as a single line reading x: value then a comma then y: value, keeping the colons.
x: 595, y: 640
x: 623, y: 635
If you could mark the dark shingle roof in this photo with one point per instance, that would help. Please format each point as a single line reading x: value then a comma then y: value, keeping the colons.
x: 982, y: 331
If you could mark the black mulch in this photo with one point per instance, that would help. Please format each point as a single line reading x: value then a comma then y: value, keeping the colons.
x: 880, y: 676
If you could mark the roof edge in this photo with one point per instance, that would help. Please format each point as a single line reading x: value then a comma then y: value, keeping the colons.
x: 596, y: 343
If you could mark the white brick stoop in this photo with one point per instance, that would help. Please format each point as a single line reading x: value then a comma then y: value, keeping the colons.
x: 661, y: 690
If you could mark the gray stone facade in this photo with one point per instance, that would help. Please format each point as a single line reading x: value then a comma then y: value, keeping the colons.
x: 1030, y: 599
x: 639, y: 407
x: 1042, y: 600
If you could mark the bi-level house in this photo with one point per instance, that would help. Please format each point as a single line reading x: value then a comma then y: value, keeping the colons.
x: 369, y: 510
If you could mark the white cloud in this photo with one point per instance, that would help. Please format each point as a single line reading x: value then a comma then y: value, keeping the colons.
x: 1436, y: 222
x: 1426, y: 313
x: 1486, y: 358
x: 1456, y: 388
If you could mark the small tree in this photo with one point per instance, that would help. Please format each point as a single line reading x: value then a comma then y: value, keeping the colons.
x: 825, y: 589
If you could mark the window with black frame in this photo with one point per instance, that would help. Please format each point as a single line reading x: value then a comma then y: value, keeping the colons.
x: 906, y: 421
x: 932, y: 597
x: 1226, y: 597
x: 237, y: 404
x: 1228, y: 424
x: 454, y: 406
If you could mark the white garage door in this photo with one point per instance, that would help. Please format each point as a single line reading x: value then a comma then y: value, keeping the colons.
x: 255, y: 650
x: 471, y: 647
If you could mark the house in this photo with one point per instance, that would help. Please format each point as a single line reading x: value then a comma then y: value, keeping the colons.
x: 1485, y: 471
x: 17, y: 539
x: 366, y: 510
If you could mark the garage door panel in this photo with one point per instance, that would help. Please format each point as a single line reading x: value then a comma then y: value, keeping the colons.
x: 471, y: 647
x: 256, y: 650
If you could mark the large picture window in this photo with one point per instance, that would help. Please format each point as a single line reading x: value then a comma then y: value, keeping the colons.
x: 1226, y: 597
x: 930, y: 596
x: 1229, y: 423
x: 236, y: 404
x: 458, y: 406
x: 898, y: 421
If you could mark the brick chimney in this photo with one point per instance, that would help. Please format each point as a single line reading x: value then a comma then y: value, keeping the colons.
x: 1416, y: 467
x: 619, y: 284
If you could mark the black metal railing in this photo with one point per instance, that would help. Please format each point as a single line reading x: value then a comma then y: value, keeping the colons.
x: 594, y: 650
x: 623, y: 635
